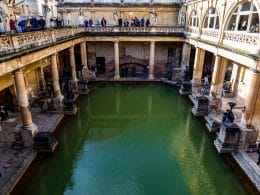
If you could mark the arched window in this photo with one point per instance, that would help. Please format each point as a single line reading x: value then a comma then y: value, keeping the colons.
x: 194, y: 19
x: 244, y: 18
x: 212, y: 19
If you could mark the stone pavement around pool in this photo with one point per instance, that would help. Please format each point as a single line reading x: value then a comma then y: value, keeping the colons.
x: 14, y: 162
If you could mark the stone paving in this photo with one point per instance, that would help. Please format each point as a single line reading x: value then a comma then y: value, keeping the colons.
x: 14, y: 162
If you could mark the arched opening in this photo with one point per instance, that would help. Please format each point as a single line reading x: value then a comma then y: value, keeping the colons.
x: 244, y: 18
x: 211, y: 19
x: 194, y: 20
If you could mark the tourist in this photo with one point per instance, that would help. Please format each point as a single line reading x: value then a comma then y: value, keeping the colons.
x: 42, y: 23
x: 206, y: 80
x: 258, y: 152
x: 90, y: 22
x: 147, y: 22
x: 228, y: 117
x: 120, y: 22
x: 86, y: 23
x: 97, y: 23
x: 136, y: 22
x: 103, y: 22
x: 132, y: 22
x: 142, y: 21
x: 1, y: 27
x: 12, y: 24
x: 126, y: 23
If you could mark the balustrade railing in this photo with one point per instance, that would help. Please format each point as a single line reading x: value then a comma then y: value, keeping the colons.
x: 210, y: 32
x: 18, y: 42
x: 242, y: 37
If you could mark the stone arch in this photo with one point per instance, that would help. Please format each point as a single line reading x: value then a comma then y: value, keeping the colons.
x: 231, y: 10
x: 190, y: 17
x: 205, y: 15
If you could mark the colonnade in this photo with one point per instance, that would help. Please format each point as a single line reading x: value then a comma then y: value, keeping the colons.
x: 220, y: 68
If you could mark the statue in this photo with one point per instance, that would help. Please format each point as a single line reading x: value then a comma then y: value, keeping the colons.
x: 228, y: 116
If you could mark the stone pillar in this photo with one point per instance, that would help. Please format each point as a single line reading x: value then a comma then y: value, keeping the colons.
x: 151, y: 61
x: 236, y: 79
x: 218, y: 76
x: 83, y: 52
x: 55, y: 76
x: 186, y: 51
x: 28, y: 129
x: 42, y: 78
x: 198, y: 69
x: 73, y: 64
x: 116, y: 58
x: 251, y: 98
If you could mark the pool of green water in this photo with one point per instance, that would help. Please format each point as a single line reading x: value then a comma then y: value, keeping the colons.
x: 133, y: 139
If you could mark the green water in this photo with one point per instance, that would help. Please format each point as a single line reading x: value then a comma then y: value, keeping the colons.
x: 129, y: 140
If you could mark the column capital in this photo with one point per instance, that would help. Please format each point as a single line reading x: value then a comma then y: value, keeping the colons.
x: 152, y: 41
x: 55, y: 54
x: 255, y: 71
x: 116, y: 42
x: 19, y: 70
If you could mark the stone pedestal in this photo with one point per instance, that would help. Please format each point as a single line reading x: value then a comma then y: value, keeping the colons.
x: 228, y: 139
x: 70, y: 107
x: 55, y: 105
x: 201, y: 105
x: 215, y: 104
x: 211, y: 124
x: 248, y: 139
x: 185, y: 88
x: 27, y: 134
x: 45, y: 142
x: 79, y: 87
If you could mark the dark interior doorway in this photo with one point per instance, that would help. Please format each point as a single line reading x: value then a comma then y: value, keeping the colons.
x: 100, y: 61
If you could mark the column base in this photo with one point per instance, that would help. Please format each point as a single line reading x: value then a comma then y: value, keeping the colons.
x: 55, y: 105
x: 200, y: 107
x: 196, y: 84
x: 248, y: 138
x: 228, y: 139
x: 116, y: 77
x: 27, y: 134
x: 87, y: 74
x: 215, y: 104
x: 79, y: 87
x: 151, y: 77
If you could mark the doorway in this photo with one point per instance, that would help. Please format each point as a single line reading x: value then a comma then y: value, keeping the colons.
x: 100, y: 61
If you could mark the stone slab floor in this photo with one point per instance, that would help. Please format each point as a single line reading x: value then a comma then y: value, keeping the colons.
x: 14, y: 162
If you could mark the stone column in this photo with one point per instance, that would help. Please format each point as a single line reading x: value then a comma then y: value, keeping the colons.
x: 198, y: 69
x: 116, y: 58
x: 28, y: 129
x: 42, y: 78
x: 55, y: 76
x: 251, y: 98
x: 83, y: 52
x: 151, y: 60
x: 73, y: 64
x: 186, y: 50
x: 236, y: 79
x: 218, y: 76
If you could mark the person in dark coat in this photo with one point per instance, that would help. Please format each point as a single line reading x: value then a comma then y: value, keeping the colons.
x: 120, y: 22
x: 103, y: 22
x: 142, y: 21
x: 147, y: 22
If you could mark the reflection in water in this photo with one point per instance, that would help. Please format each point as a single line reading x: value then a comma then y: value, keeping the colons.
x: 133, y: 139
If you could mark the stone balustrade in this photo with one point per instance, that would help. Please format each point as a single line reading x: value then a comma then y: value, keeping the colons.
x: 248, y: 42
x: 193, y: 30
x: 210, y: 32
x: 242, y: 37
x: 20, y: 41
